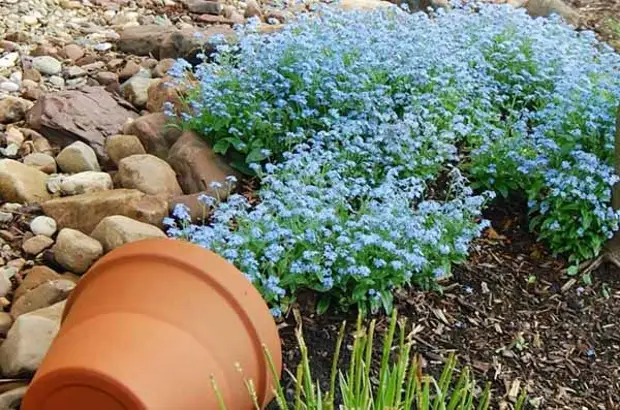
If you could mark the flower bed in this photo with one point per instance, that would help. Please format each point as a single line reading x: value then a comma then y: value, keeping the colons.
x: 364, y: 125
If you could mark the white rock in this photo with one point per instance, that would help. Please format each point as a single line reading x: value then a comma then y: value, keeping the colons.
x: 29, y: 340
x: 9, y: 86
x: 6, y: 273
x: 57, y: 81
x: 16, y: 77
x: 47, y: 65
x: 6, y: 217
x: 11, y: 399
x: 9, y: 60
x: 85, y: 182
x: 76, y: 251
x: 115, y: 231
x: 102, y: 46
x: 30, y: 20
x: 43, y: 225
x: 77, y: 157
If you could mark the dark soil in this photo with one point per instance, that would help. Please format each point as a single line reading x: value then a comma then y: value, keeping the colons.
x: 513, y: 315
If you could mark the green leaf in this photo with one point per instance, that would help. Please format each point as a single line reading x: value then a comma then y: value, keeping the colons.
x: 221, y: 147
x: 572, y: 270
x: 322, y: 306
x: 236, y: 143
x: 242, y: 167
x: 256, y: 155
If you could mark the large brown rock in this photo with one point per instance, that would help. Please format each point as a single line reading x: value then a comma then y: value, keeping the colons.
x: 22, y: 183
x: 76, y: 251
x: 143, y: 40
x: 154, y: 133
x: 35, y: 277
x: 148, y: 174
x: 84, y: 212
x: 89, y: 115
x: 44, y: 295
x: 160, y: 92
x: 196, y: 165
x: 29, y: 339
x: 545, y: 8
x: 13, y: 109
x: 116, y: 231
x: 188, y: 43
x: 121, y: 146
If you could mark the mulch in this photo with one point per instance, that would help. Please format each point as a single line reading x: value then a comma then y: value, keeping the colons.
x: 510, y: 313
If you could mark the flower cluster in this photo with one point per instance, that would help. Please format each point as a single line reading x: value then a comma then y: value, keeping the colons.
x: 361, y: 126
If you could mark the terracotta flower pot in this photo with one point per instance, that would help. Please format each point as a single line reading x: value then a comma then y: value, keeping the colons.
x: 147, y: 328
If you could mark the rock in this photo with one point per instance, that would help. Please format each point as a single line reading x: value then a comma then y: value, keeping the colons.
x: 47, y: 65
x: 75, y: 72
x: 152, y: 132
x: 14, y: 136
x: 148, y: 174
x: 29, y: 340
x: 365, y: 5
x: 211, y: 19
x: 253, y: 10
x: 197, y: 165
x: 115, y: 231
x: 161, y: 92
x: 143, y: 40
x: 13, y: 109
x: 33, y: 278
x: 73, y: 52
x: 90, y: 115
x: 44, y: 295
x: 43, y: 225
x: 103, y: 46
x: 57, y: 81
x: 188, y: 43
x: 11, y: 400
x: 9, y: 87
x: 121, y: 146
x: 135, y: 90
x: 77, y: 157
x: 32, y: 75
x: 6, y: 217
x: 37, y: 244
x: 9, y: 60
x: 204, y: 7
x: 6, y: 273
x: 6, y: 320
x: 198, y: 211
x: 545, y: 8
x: 162, y: 68
x: 76, y: 251
x: 42, y: 162
x: 31, y: 91
x: 107, y: 78
x: 130, y: 69
x: 85, y: 182
x: 83, y: 212
x: 21, y: 183
x: 40, y: 144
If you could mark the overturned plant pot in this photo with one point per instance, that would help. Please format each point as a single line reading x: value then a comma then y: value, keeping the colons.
x: 150, y: 326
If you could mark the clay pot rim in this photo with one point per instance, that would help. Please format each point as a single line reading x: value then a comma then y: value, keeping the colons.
x: 74, y: 377
x: 234, y: 287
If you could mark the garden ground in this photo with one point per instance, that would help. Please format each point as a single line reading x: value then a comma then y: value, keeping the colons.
x: 510, y: 313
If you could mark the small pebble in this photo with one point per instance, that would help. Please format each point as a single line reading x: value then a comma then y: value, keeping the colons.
x: 9, y: 87
x: 43, y: 225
